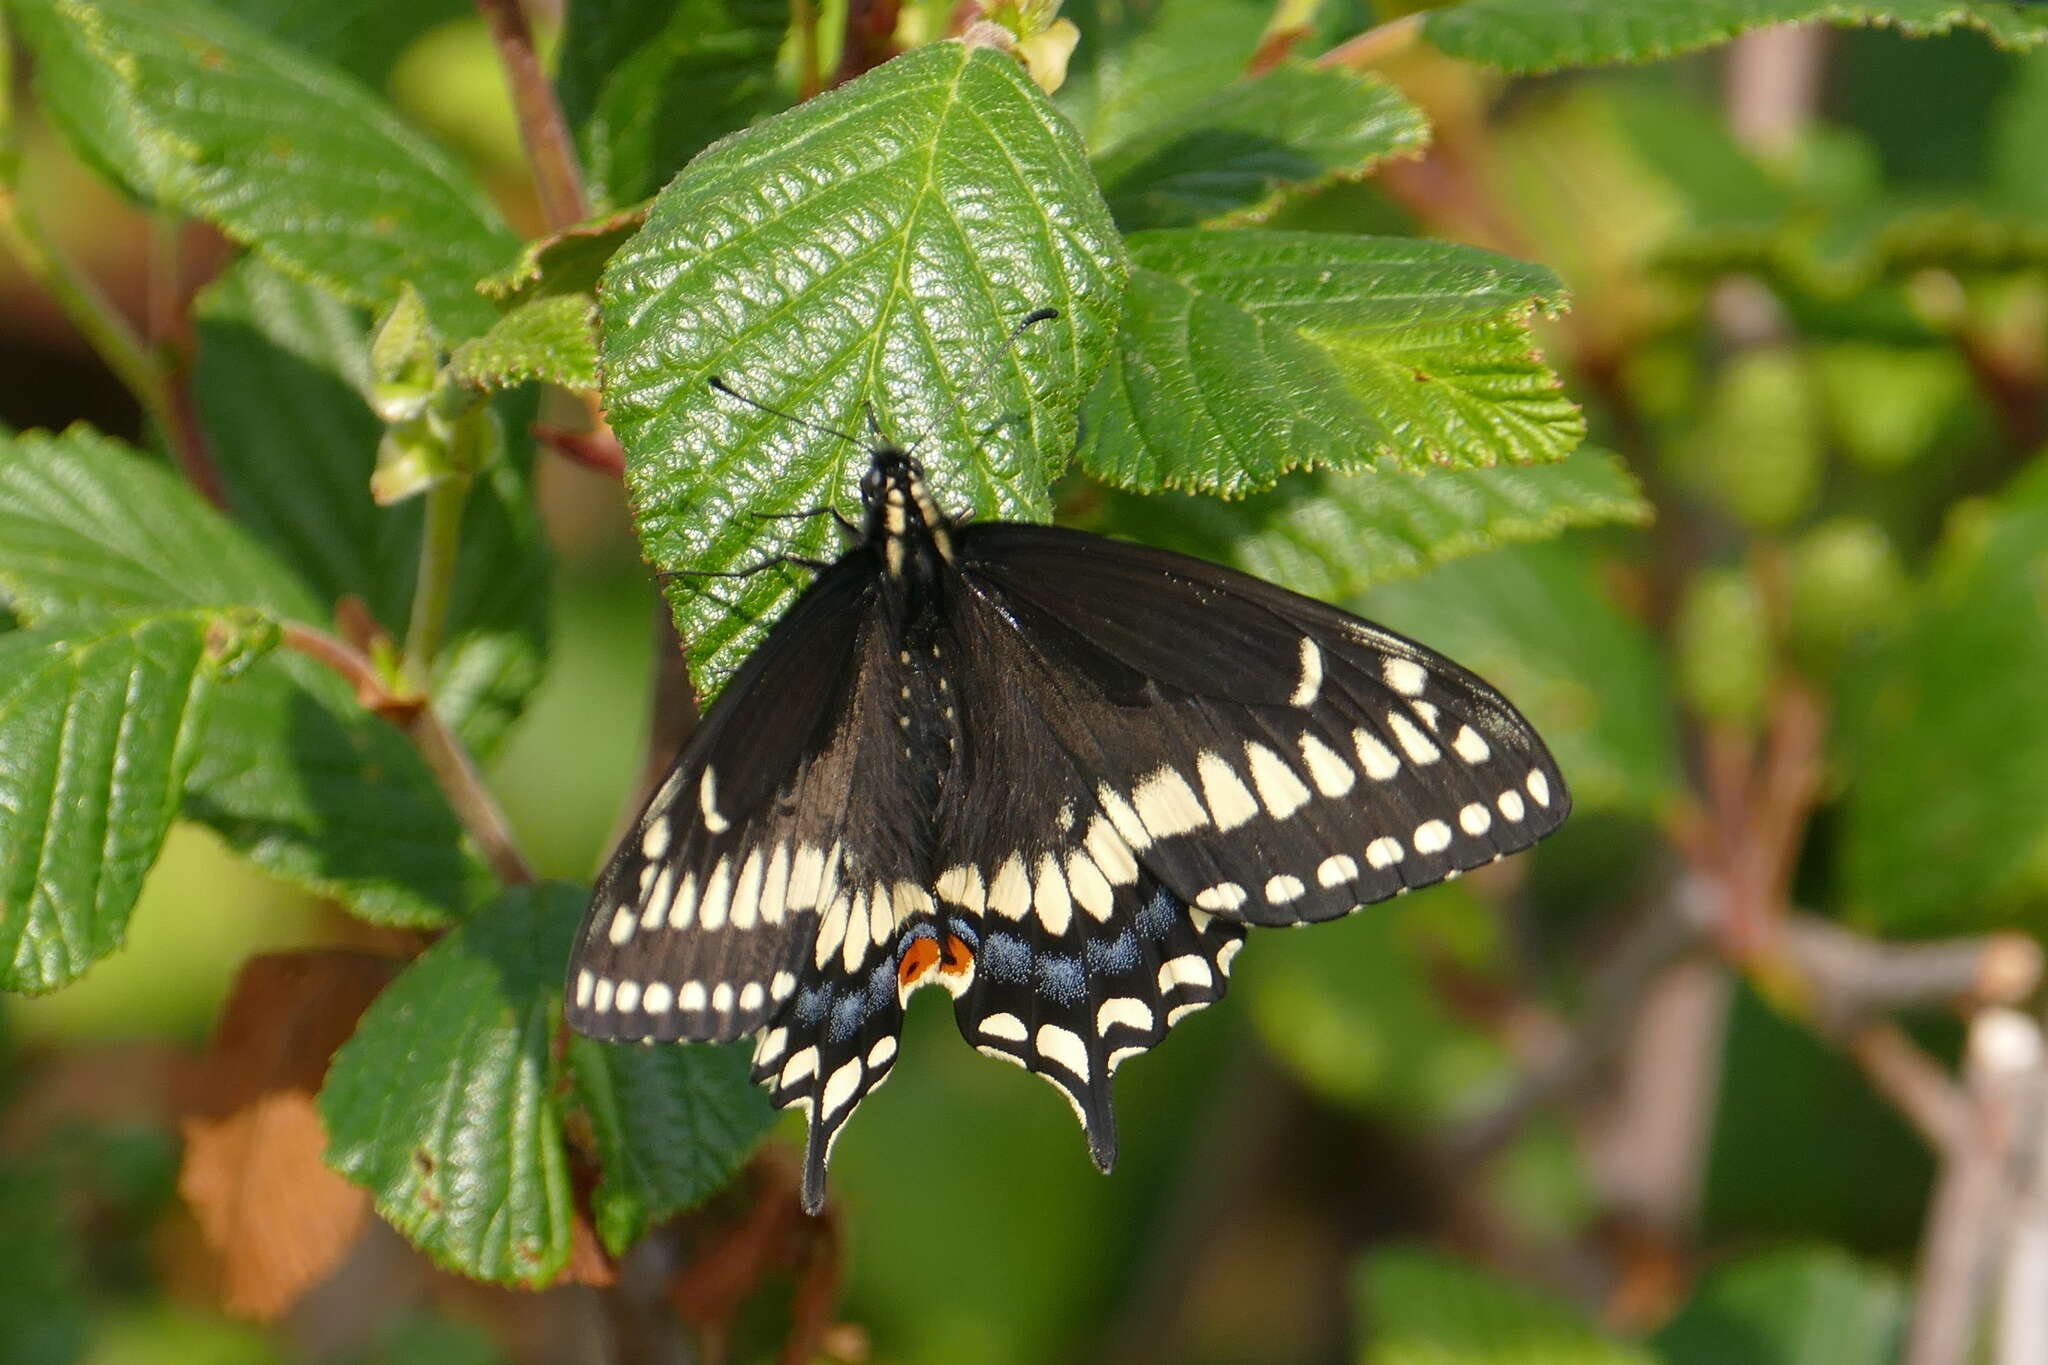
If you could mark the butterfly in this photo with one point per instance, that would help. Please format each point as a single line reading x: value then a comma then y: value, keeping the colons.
x: 1058, y: 775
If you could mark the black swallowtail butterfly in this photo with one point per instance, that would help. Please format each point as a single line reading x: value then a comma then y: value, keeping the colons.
x: 1058, y: 775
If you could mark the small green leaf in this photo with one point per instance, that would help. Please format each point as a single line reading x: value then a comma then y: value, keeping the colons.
x: 195, y: 110
x: 1246, y: 354
x: 1238, y: 153
x: 98, y: 721
x: 1948, y: 740
x: 877, y: 244
x: 293, y: 773
x: 1795, y: 1306
x: 672, y: 1123
x: 1532, y: 620
x: 647, y: 84
x: 566, y: 262
x: 1423, y: 1309
x: 1335, y: 535
x: 405, y: 355
x: 445, y: 1104
x: 552, y: 339
x: 1545, y: 35
x: 279, y: 379
x: 1135, y: 80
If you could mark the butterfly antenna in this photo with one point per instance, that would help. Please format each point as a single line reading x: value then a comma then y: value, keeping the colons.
x: 995, y: 353
x: 729, y: 391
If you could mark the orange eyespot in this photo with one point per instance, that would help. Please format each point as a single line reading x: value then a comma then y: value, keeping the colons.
x: 958, y: 957
x: 920, y: 957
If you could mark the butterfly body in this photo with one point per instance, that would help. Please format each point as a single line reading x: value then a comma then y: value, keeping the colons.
x: 1056, y: 775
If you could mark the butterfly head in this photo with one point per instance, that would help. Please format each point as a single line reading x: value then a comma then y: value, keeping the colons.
x: 901, y: 516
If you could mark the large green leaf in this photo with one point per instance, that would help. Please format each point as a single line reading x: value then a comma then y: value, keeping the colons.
x: 1544, y: 35
x: 293, y: 773
x: 1532, y: 620
x: 1238, y: 152
x: 1946, y: 802
x: 98, y: 722
x: 671, y: 1122
x: 1127, y: 79
x: 279, y: 380
x: 1335, y: 535
x: 1422, y: 1309
x: 647, y: 84
x: 192, y: 108
x: 1246, y: 354
x: 446, y: 1105
x: 873, y: 245
x: 1796, y: 1306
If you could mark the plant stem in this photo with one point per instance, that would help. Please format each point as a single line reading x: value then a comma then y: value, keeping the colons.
x: 453, y: 769
x: 440, y: 537
x: 557, y: 178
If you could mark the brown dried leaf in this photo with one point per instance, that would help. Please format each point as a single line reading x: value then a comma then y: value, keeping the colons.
x: 275, y: 1215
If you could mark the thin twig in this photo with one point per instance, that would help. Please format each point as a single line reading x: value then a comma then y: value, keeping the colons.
x: 598, y: 450
x: 1914, y: 1082
x: 446, y: 759
x: 440, y: 542
x: 550, y: 151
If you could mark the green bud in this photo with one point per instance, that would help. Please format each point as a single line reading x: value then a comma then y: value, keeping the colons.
x: 405, y: 359
x: 412, y: 457
x: 1724, y: 648
x: 236, y: 639
x: 1759, y: 450
x: 1846, y: 579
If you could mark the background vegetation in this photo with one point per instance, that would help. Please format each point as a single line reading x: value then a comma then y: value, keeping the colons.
x: 1683, y: 375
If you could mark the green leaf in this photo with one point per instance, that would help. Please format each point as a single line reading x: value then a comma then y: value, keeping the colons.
x: 551, y: 339
x: 445, y: 1104
x: 293, y: 773
x: 647, y: 84
x: 1335, y: 535
x: 1947, y: 739
x: 280, y: 380
x: 1246, y: 354
x: 877, y: 244
x: 566, y: 262
x: 1424, y: 1309
x: 1545, y: 35
x: 1128, y: 81
x: 1533, y: 621
x: 1242, y: 150
x: 363, y: 37
x: 1795, y: 1306
x: 98, y: 722
x: 199, y: 112
x: 672, y: 1124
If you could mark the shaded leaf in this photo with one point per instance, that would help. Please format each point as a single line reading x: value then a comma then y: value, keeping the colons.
x: 1948, y: 740
x: 279, y: 379
x: 1796, y: 1306
x: 293, y: 773
x: 197, y: 111
x: 410, y: 1338
x: 568, y: 261
x: 1247, y: 354
x: 1544, y: 35
x: 362, y: 37
x: 98, y: 722
x: 444, y: 1105
x: 1239, y: 152
x: 876, y: 244
x: 646, y: 85
x: 1129, y: 80
x: 44, y: 1319
x: 1532, y: 620
x: 672, y: 1124
x: 1423, y: 1309
x: 551, y: 339
x: 1335, y: 535
x: 277, y: 1218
